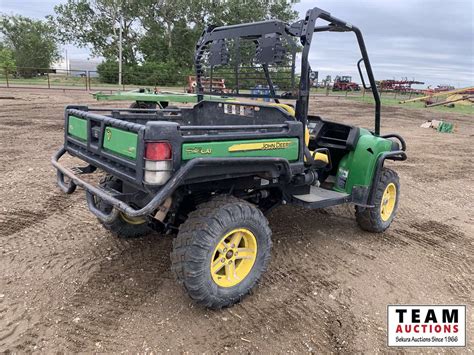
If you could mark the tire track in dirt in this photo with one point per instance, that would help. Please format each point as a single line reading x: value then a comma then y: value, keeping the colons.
x: 15, y: 320
x: 100, y: 270
x: 16, y: 220
x: 45, y: 254
x: 112, y: 292
x: 49, y: 250
x: 430, y: 235
x: 448, y: 248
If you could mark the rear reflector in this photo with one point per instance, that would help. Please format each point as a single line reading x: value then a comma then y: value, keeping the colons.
x: 157, y: 172
x: 158, y: 164
x: 158, y: 151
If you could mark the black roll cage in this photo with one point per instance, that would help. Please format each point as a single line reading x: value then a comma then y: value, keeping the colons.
x: 304, y: 29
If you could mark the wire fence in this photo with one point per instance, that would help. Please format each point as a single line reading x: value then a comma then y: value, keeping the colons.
x: 93, y: 80
x: 43, y: 78
x: 86, y: 80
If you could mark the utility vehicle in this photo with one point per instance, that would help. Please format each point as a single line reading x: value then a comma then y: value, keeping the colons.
x: 211, y: 171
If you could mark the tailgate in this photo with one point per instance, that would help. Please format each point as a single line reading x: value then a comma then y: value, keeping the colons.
x: 111, y: 144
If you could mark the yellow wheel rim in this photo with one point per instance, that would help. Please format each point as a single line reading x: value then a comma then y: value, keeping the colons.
x: 388, y: 201
x: 233, y: 258
x: 132, y: 220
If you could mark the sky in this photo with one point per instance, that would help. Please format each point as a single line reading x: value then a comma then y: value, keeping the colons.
x: 426, y: 40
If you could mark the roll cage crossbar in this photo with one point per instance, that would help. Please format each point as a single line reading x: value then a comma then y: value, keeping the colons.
x: 304, y: 30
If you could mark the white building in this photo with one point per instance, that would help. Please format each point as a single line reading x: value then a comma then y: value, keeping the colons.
x: 76, y: 66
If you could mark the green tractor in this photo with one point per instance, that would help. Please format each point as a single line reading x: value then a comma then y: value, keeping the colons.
x: 209, y: 173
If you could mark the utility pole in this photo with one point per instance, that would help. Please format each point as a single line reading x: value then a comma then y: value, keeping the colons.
x: 67, y: 64
x: 120, y: 47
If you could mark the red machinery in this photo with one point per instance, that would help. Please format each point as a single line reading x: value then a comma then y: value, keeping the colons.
x: 398, y: 85
x: 344, y: 83
x: 438, y: 89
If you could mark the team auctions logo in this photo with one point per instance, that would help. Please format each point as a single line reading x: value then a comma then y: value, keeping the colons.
x: 426, y: 325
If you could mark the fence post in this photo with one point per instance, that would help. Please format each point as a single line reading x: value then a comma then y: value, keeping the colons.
x: 49, y: 84
x: 85, y: 78
x: 6, y: 77
x: 88, y: 79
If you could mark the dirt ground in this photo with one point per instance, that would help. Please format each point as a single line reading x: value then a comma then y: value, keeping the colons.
x: 68, y: 285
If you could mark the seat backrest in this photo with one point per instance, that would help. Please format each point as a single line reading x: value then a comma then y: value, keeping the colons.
x: 292, y: 112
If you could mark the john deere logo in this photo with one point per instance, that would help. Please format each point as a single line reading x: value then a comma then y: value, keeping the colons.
x: 245, y: 147
x: 275, y: 145
x: 108, y: 134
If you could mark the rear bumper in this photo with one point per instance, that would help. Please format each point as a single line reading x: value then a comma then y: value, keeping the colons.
x: 92, y: 191
x: 160, y: 197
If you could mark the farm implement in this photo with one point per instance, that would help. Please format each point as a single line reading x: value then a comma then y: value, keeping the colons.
x: 402, y: 86
x: 464, y: 96
x: 209, y: 173
x: 152, y: 99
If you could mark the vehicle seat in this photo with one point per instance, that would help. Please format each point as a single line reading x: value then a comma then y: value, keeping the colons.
x: 321, y: 159
x: 332, y: 135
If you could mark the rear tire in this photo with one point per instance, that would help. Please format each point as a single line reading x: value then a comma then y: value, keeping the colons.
x: 122, y: 226
x: 143, y: 105
x: 224, y: 230
x: 387, y: 195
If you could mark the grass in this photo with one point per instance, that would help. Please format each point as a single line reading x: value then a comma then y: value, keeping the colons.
x: 43, y: 81
x: 391, y: 101
x: 70, y: 81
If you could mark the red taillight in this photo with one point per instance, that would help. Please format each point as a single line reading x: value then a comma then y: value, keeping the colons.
x: 158, y: 151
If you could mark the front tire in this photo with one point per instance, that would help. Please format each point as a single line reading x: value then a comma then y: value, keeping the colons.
x: 387, y: 195
x: 221, y: 251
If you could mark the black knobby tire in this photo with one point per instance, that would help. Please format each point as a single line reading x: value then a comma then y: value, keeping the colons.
x: 119, y: 226
x: 196, y: 242
x: 370, y: 219
x: 172, y: 107
x: 143, y: 105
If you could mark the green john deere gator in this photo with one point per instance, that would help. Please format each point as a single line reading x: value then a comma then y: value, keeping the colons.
x: 210, y: 172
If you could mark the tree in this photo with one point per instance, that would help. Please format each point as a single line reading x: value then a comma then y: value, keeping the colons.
x: 172, y: 27
x: 237, y: 11
x: 155, y: 30
x: 96, y: 23
x: 165, y: 28
x: 32, y: 43
x: 7, y: 62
